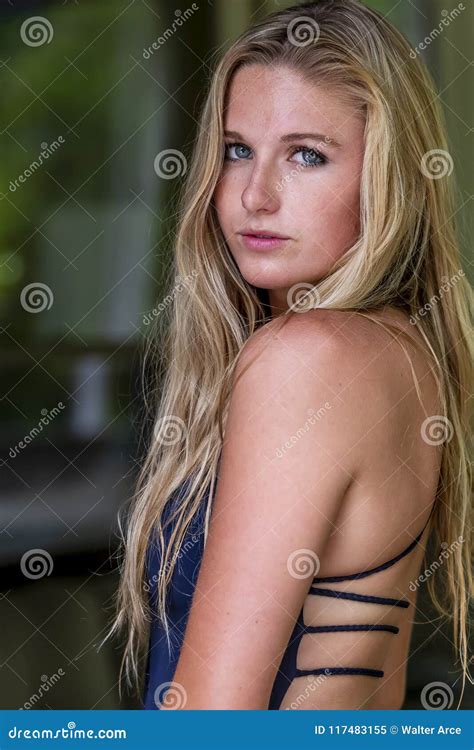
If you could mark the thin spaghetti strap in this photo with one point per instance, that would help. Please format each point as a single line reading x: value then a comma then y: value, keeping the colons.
x: 337, y: 594
x: 383, y: 566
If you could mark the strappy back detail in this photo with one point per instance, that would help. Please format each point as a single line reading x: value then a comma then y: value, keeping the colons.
x: 335, y: 593
x: 383, y: 566
x: 162, y: 661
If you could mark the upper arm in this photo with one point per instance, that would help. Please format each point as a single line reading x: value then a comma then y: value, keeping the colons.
x: 286, y: 464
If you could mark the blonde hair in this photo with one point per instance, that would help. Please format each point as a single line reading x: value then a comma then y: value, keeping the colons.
x: 406, y: 256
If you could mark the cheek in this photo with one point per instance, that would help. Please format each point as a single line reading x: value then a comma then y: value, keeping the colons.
x: 225, y: 198
x: 329, y: 212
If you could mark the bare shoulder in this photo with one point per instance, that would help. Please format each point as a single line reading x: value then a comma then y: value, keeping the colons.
x: 370, y: 379
x: 287, y: 463
x: 344, y: 347
x: 316, y: 338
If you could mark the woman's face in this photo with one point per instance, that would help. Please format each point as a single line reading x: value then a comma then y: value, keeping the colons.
x: 305, y: 188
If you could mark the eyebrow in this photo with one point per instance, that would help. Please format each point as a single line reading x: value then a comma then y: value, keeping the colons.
x: 293, y: 137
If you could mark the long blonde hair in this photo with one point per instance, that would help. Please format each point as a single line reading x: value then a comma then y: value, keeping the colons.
x: 406, y: 256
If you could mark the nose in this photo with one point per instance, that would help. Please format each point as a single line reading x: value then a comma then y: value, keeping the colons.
x: 261, y: 191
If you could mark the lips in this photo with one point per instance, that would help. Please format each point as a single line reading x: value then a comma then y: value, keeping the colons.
x: 265, y: 235
x: 265, y: 242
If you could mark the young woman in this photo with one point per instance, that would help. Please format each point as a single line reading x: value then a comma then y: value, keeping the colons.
x: 312, y: 425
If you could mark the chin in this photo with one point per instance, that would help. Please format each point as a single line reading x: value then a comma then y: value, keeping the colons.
x: 261, y: 274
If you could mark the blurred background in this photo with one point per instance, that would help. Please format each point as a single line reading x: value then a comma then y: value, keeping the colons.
x: 85, y: 223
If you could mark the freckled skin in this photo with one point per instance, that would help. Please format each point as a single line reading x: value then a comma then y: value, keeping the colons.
x: 331, y: 491
x: 270, y: 187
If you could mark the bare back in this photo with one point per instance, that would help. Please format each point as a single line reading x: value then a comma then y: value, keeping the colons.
x: 384, y: 510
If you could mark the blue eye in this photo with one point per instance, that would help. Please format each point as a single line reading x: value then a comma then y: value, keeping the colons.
x: 311, y: 152
x: 233, y: 145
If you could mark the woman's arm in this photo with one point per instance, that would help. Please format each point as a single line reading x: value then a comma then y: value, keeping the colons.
x: 287, y: 461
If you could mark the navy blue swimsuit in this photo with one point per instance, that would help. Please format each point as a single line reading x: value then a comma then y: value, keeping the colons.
x: 162, y: 664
